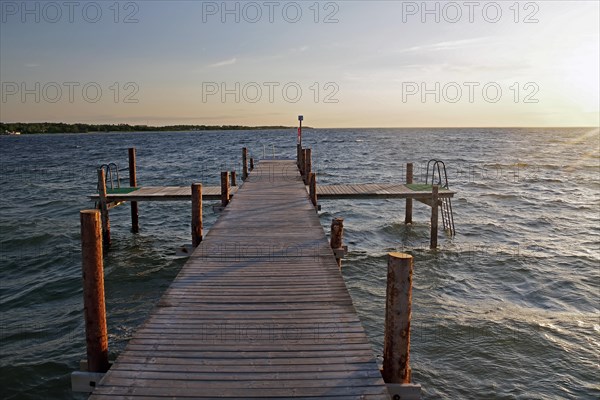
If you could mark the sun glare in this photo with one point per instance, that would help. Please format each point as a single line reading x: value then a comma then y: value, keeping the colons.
x: 580, y: 69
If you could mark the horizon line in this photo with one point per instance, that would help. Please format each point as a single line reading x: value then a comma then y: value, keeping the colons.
x: 312, y: 127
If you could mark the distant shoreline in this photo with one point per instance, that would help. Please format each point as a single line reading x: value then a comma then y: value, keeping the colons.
x: 32, y: 128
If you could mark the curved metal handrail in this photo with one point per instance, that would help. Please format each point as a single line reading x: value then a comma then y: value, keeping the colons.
x: 436, y: 165
x: 108, y: 173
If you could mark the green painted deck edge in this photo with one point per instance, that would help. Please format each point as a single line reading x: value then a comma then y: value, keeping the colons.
x: 419, y: 187
x: 121, y: 190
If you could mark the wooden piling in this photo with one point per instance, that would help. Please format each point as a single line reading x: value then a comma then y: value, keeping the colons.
x: 307, y: 165
x: 301, y: 166
x: 224, y: 188
x: 251, y: 163
x: 244, y: 163
x: 298, y: 155
x: 398, y: 310
x: 103, y: 205
x: 304, y: 157
x: 434, y: 216
x: 409, y: 202
x: 233, y: 180
x: 94, y: 307
x: 313, y: 189
x: 337, y: 237
x: 135, y: 225
x: 196, y: 214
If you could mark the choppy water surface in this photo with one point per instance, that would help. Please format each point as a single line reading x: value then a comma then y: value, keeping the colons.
x: 508, y: 308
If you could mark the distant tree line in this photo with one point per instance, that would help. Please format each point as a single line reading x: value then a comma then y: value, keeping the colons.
x: 59, y: 127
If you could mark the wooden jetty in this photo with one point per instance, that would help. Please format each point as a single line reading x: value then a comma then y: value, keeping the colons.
x: 260, y: 309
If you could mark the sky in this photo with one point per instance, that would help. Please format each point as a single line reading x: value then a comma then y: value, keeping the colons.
x: 338, y: 63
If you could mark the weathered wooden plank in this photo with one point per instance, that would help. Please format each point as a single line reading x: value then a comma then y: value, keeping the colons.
x: 188, y: 373
x: 164, y: 365
x: 325, y: 355
x: 352, y: 384
x: 231, y: 364
x: 199, y: 396
x: 180, y: 391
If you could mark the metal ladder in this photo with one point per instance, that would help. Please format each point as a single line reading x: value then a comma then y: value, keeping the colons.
x: 111, y: 171
x: 438, y: 170
x: 265, y: 151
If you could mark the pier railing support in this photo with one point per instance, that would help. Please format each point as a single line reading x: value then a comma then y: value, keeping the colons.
x: 434, y: 216
x: 398, y: 306
x: 233, y: 178
x: 312, y: 180
x: 103, y: 206
x: 244, y: 163
x: 337, y: 238
x: 409, y: 202
x: 196, y: 214
x: 135, y: 224
x: 224, y: 188
x: 251, y: 163
x: 398, y: 312
x: 96, y: 336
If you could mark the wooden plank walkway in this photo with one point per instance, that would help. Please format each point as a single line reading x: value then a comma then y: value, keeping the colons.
x: 352, y: 191
x: 165, y: 193
x: 378, y: 191
x: 260, y: 310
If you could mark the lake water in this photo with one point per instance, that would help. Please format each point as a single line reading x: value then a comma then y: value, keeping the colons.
x: 508, y: 308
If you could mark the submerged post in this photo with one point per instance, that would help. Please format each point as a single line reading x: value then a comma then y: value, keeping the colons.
x: 233, y: 181
x: 224, y: 188
x: 244, y: 163
x: 94, y: 308
x: 103, y: 205
x: 337, y: 237
x: 398, y: 310
x: 251, y: 163
x: 196, y: 214
x: 434, y: 216
x: 409, y: 202
x: 135, y: 225
x: 312, y: 179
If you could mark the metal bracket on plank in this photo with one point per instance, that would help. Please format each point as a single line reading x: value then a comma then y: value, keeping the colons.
x: 404, y: 391
x: 341, y: 252
x: 83, y: 381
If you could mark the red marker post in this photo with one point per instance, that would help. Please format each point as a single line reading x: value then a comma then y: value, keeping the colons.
x: 299, y: 142
x: 300, y: 118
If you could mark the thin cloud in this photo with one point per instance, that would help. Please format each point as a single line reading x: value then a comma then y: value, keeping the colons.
x: 448, y: 45
x: 298, y: 49
x: 31, y: 65
x: 223, y: 63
